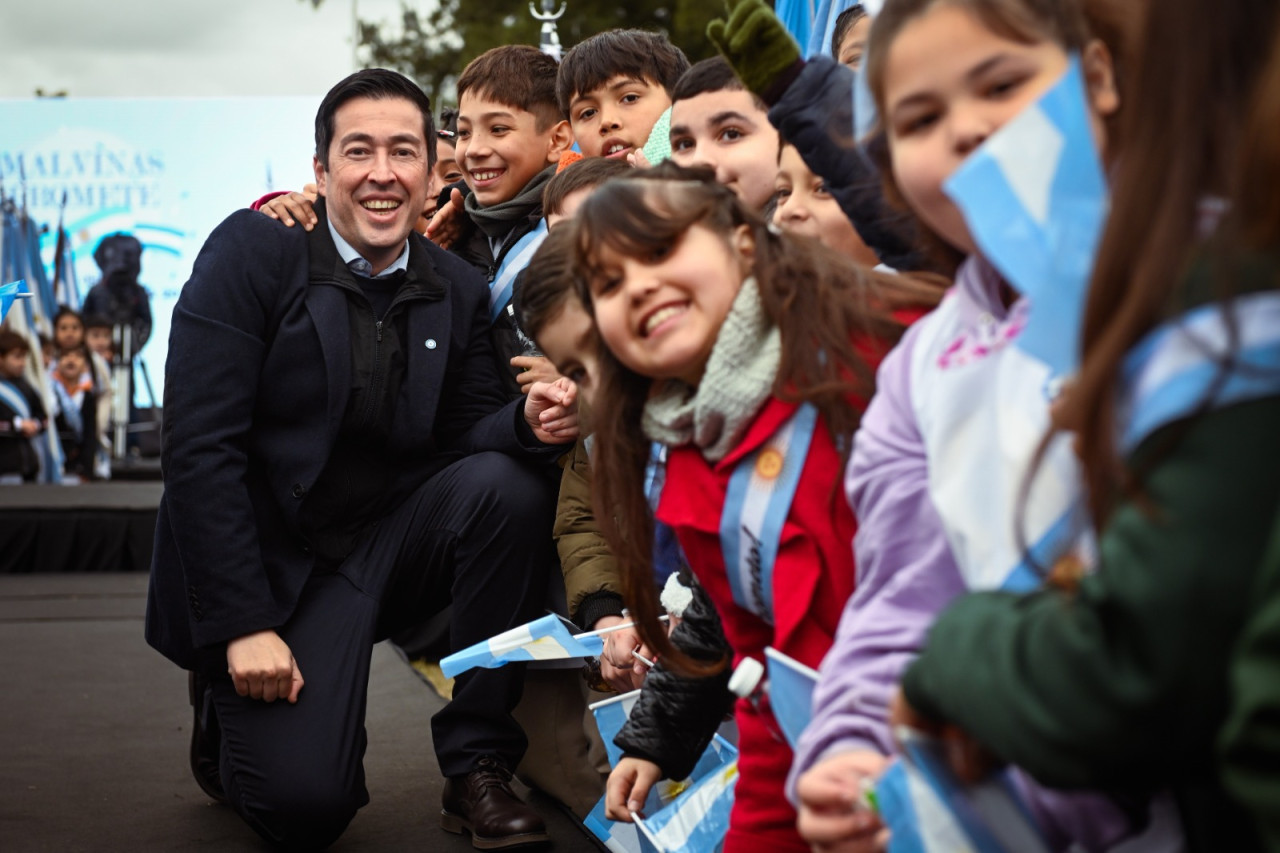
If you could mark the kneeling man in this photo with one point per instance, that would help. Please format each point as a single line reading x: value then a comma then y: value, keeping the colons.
x: 341, y: 460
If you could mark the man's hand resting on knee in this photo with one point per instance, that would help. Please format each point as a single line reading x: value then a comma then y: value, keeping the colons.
x: 262, y: 667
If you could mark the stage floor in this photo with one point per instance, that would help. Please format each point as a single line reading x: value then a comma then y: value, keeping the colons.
x: 93, y: 749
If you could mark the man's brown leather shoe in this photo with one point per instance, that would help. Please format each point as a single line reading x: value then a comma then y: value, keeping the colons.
x: 483, y: 804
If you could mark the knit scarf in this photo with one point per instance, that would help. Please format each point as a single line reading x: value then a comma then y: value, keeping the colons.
x: 737, y: 382
x: 495, y: 220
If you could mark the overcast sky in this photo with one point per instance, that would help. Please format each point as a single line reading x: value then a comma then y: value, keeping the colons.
x: 129, y: 48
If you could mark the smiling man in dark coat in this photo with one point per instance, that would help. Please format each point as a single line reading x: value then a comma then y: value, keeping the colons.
x: 341, y: 460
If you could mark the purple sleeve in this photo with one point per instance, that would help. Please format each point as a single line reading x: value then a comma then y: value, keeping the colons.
x: 906, y: 576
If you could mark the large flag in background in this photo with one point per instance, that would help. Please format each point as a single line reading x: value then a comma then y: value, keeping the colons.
x: 791, y: 686
x: 797, y: 17
x: 928, y: 810
x: 1035, y: 200
x: 543, y: 639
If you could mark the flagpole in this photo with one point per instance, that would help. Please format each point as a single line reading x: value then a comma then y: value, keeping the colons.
x: 610, y: 630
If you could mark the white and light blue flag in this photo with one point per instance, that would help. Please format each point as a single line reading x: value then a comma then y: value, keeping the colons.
x: 617, y: 836
x: 10, y: 292
x: 543, y: 639
x: 697, y: 820
x: 791, y: 686
x: 672, y: 807
x: 928, y: 810
x: 1035, y: 200
x: 611, y: 715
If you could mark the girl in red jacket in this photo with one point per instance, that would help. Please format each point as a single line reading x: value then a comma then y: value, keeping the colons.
x: 751, y: 356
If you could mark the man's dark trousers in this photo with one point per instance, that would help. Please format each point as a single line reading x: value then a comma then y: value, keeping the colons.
x: 471, y: 535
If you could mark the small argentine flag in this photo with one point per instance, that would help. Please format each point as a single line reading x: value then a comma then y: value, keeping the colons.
x: 791, y: 686
x: 544, y: 639
x: 611, y: 715
x: 928, y: 810
x: 706, y: 796
x: 10, y: 292
x: 697, y: 820
x: 1035, y: 200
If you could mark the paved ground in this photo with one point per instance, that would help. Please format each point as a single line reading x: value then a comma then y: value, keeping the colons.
x: 94, y: 730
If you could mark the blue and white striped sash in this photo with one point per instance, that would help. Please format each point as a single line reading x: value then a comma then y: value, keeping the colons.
x: 1187, y: 365
x: 1195, y: 362
x: 502, y: 287
x: 13, y: 397
x: 761, y: 490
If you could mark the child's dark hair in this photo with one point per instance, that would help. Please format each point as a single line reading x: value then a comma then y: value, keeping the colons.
x: 518, y: 75
x: 583, y: 174
x: 79, y: 349
x: 68, y: 311
x: 711, y: 75
x: 637, y: 54
x: 831, y: 315
x: 10, y: 341
x: 546, y: 283
x: 844, y: 22
x: 449, y: 122
x: 375, y: 83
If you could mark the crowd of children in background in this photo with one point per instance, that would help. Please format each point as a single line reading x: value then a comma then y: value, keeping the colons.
x: 76, y: 360
x: 812, y: 426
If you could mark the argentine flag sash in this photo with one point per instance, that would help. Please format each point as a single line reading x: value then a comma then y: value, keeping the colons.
x: 761, y: 490
x: 12, y: 397
x: 1197, y: 362
x: 502, y: 287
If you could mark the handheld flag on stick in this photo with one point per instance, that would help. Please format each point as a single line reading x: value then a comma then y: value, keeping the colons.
x: 617, y: 836
x: 690, y: 816
x: 928, y: 810
x: 543, y: 639
x: 697, y: 820
x: 611, y: 715
x: 10, y: 292
x: 791, y: 686
x: 1035, y: 200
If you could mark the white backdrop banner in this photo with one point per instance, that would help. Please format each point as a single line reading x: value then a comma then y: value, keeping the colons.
x: 166, y: 170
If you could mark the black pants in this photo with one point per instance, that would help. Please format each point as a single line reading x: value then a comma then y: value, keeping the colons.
x: 478, y: 534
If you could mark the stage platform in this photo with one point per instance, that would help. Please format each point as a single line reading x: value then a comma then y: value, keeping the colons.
x: 104, y: 526
x: 93, y: 749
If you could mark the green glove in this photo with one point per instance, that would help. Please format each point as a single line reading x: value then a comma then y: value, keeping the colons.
x: 755, y: 43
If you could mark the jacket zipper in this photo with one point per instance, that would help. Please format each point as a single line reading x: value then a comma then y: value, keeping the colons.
x: 376, y: 374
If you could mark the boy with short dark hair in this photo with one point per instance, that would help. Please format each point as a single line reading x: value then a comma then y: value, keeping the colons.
x: 615, y: 86
x: 717, y: 123
x: 22, y: 414
x: 511, y: 134
x: 571, y: 186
